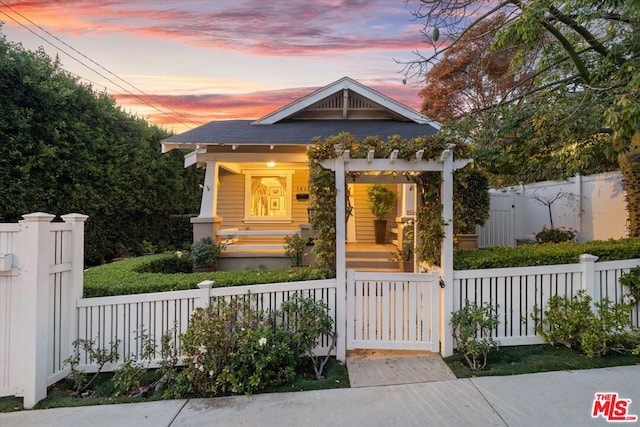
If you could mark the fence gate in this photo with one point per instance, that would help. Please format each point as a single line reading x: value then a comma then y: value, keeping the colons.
x: 500, y: 227
x: 393, y: 311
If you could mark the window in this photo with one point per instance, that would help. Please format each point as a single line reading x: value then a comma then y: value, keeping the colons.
x: 268, y: 196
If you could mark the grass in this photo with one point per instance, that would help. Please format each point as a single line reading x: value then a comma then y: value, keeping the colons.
x: 58, y: 395
x: 537, y: 358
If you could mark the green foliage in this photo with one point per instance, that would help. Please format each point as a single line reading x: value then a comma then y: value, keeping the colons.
x: 294, y: 246
x: 631, y: 280
x: 233, y: 348
x: 471, y: 200
x: 130, y: 375
x: 527, y: 359
x: 309, y: 320
x: 101, y: 356
x: 408, y: 242
x: 555, y: 235
x: 429, y: 217
x: 591, y: 331
x: 205, y: 253
x: 67, y: 148
x: 472, y: 326
x: 123, y: 277
x: 548, y: 254
x: 323, y: 192
x: 381, y: 200
x: 178, y: 263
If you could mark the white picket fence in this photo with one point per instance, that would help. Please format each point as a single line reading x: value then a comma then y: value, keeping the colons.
x: 124, y: 319
x: 43, y: 312
x: 517, y: 292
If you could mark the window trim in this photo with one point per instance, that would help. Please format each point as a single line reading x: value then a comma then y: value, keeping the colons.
x: 250, y: 173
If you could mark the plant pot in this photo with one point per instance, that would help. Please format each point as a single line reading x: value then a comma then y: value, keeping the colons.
x: 406, y: 266
x: 380, y: 230
x: 467, y: 241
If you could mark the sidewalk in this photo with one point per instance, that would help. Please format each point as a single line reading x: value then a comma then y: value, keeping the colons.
x: 549, y: 399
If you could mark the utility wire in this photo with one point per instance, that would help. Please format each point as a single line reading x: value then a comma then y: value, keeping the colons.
x: 144, y: 101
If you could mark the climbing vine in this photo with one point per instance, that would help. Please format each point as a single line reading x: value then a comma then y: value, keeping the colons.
x: 322, y: 188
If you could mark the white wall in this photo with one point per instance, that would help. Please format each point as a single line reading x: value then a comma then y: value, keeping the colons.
x: 593, y: 205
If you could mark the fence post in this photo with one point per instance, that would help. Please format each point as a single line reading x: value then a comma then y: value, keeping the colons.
x: 588, y: 282
x: 77, y: 271
x: 205, y: 293
x: 341, y: 316
x: 33, y: 308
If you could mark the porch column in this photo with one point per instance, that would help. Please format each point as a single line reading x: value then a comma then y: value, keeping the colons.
x: 209, y: 202
x: 208, y: 223
x: 446, y: 256
x: 341, y: 262
x: 408, y: 208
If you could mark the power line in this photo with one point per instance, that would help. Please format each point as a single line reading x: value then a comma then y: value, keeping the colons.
x: 144, y: 101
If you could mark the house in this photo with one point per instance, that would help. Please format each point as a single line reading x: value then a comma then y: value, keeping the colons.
x: 255, y: 189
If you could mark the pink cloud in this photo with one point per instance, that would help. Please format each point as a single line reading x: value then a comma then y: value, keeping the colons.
x: 275, y: 28
x: 199, y: 109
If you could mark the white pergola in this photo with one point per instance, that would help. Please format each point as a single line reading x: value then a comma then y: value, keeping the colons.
x: 446, y: 165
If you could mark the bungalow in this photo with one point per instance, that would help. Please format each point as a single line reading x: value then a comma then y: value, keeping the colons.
x: 255, y: 189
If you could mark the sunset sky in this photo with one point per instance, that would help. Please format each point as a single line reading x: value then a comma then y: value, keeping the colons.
x: 222, y: 59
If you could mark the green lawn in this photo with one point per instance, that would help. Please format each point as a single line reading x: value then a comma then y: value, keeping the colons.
x: 537, y: 358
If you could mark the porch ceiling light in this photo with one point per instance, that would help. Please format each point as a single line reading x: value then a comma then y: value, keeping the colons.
x: 271, y: 164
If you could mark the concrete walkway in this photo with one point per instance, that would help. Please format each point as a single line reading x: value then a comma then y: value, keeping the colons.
x: 545, y: 399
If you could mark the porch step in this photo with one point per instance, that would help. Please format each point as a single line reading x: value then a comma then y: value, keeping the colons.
x: 370, y: 257
x: 369, y: 264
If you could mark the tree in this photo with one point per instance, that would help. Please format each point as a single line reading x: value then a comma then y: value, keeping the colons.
x: 66, y: 148
x: 471, y: 76
x: 589, y: 68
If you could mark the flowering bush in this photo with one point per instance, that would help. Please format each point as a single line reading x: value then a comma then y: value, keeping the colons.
x: 556, y: 235
x: 232, y: 348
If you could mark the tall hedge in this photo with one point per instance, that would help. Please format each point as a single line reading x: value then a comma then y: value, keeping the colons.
x: 66, y: 148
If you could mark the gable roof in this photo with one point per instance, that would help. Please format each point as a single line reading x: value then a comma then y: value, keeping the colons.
x: 342, y: 106
x: 400, y: 111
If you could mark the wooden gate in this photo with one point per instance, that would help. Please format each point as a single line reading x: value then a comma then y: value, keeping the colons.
x: 500, y: 227
x: 393, y: 311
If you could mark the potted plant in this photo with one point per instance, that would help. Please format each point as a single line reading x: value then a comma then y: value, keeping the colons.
x: 205, y: 253
x: 405, y: 254
x: 471, y: 204
x: 381, y: 201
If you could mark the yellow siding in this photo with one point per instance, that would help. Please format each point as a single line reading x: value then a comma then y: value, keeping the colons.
x: 231, y: 203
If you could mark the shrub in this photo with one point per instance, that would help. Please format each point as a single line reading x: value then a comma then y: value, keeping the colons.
x: 471, y: 200
x: 233, y: 348
x: 294, y: 248
x: 205, y: 253
x: 472, y: 326
x: 309, y: 320
x: 593, y: 332
x: 126, y: 277
x: 167, y: 265
x: 632, y: 281
x: 556, y: 235
x: 549, y: 254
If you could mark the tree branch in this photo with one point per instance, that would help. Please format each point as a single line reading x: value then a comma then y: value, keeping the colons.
x: 568, y: 47
x: 584, y: 33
